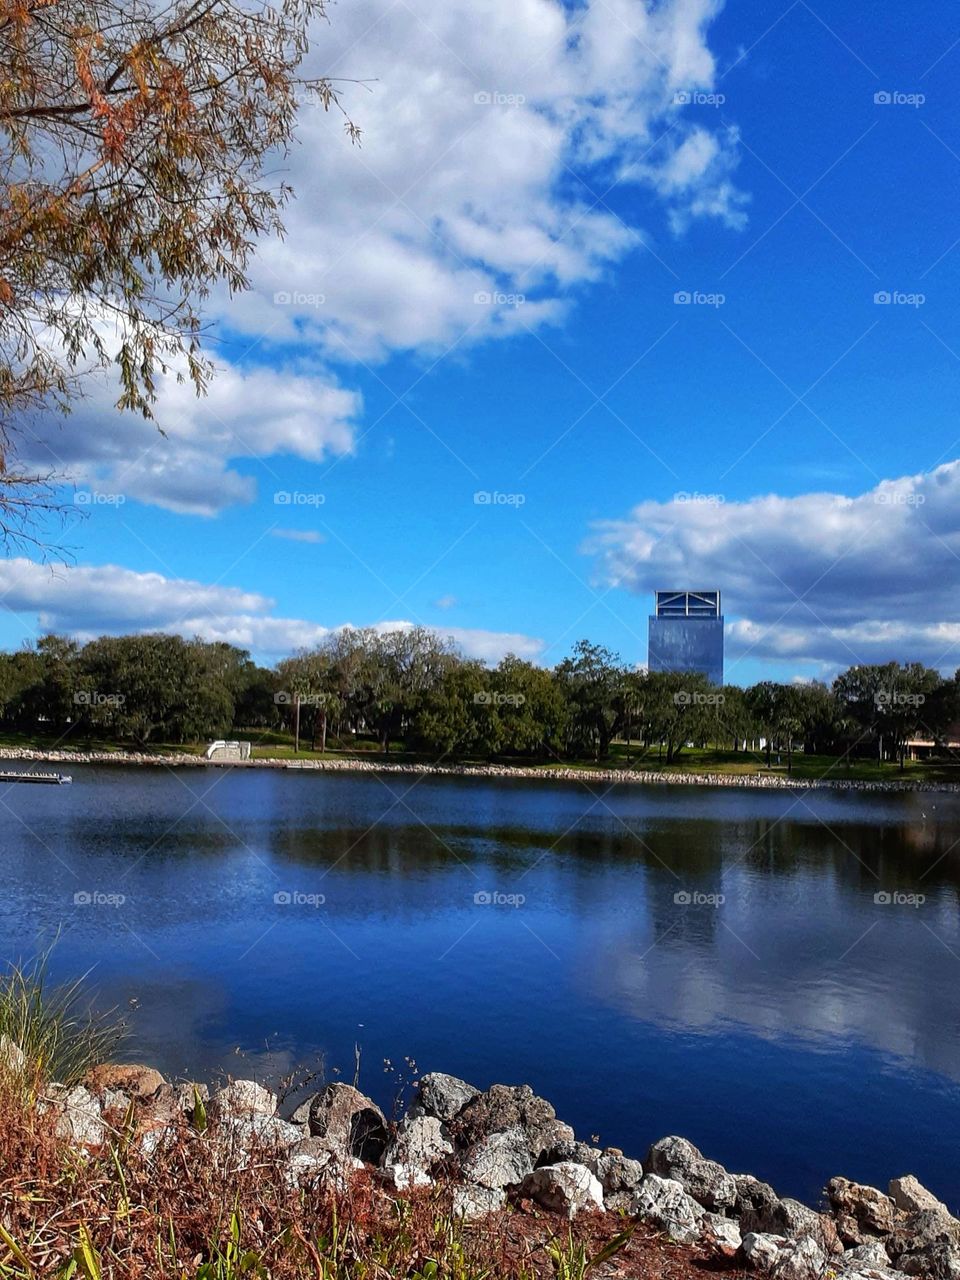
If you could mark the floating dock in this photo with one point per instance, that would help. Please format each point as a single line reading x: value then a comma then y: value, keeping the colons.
x: 50, y: 779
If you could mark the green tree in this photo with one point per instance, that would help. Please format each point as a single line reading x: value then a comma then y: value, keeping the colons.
x: 592, y: 680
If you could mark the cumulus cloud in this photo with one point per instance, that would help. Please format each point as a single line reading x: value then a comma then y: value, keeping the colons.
x: 820, y: 577
x: 472, y: 211
x: 260, y: 413
x: 476, y: 131
x: 89, y: 600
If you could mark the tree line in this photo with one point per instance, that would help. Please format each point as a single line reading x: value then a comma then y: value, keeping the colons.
x: 413, y: 689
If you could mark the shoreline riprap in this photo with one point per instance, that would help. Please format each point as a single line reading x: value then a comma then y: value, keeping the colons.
x: 503, y: 1150
x: 626, y: 777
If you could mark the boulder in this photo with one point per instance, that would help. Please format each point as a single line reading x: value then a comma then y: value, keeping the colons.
x: 926, y: 1243
x: 801, y: 1259
x: 78, y: 1114
x: 760, y: 1250
x: 565, y: 1188
x: 570, y: 1149
x: 243, y: 1098
x: 715, y: 1229
x: 860, y: 1212
x: 705, y: 1180
x: 499, y: 1160
x: 755, y: 1202
x: 131, y: 1078
x: 421, y: 1141
x: 507, y: 1107
x: 913, y: 1197
x: 619, y: 1176
x: 12, y: 1058
x: 664, y: 1202
x: 404, y: 1177
x: 441, y: 1096
x: 863, y: 1256
x: 351, y: 1122
x: 472, y: 1201
x: 254, y: 1129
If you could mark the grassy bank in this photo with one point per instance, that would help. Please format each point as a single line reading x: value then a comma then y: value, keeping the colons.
x: 274, y: 746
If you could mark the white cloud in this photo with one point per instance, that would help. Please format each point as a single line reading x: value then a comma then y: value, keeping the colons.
x: 820, y: 577
x: 255, y: 414
x: 90, y: 600
x: 489, y: 139
x: 473, y: 131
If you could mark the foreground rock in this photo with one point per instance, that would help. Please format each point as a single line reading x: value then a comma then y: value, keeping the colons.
x: 352, y: 1124
x: 484, y: 1152
x: 565, y: 1188
x: 705, y: 1180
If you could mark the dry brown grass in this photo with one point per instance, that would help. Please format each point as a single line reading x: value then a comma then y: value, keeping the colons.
x: 200, y: 1208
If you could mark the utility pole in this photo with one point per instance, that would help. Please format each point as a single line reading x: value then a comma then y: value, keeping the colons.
x: 296, y: 724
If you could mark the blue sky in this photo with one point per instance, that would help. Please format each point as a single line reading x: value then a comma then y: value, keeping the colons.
x: 642, y: 442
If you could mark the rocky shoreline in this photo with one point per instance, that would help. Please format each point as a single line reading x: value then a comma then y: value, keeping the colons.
x: 503, y: 1150
x: 634, y: 777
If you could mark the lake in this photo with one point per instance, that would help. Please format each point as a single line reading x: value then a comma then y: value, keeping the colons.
x: 775, y: 975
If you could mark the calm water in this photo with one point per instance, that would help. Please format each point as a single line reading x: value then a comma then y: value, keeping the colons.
x: 797, y: 1029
